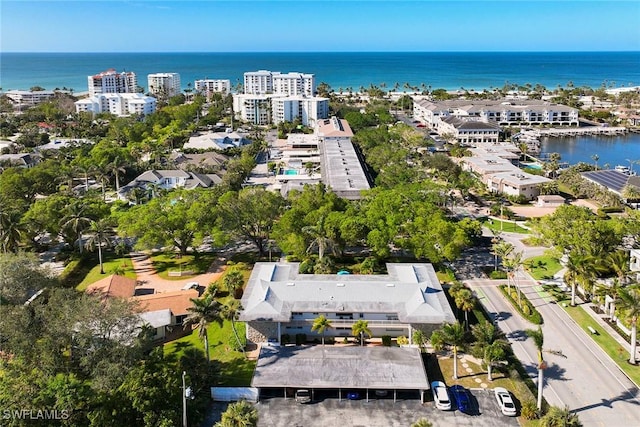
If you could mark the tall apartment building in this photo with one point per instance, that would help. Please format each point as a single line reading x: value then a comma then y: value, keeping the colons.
x: 110, y: 81
x: 267, y: 82
x: 119, y: 104
x: 273, y: 109
x: 209, y: 86
x: 164, y: 84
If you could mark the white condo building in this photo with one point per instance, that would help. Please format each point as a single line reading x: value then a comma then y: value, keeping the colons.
x: 164, y: 84
x: 119, y: 104
x: 29, y: 97
x: 273, y: 109
x: 110, y: 81
x: 210, y: 86
x: 268, y: 82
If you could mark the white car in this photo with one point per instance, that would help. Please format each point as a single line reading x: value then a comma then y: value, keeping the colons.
x: 191, y: 285
x: 507, y: 407
x: 441, y: 395
x: 303, y: 396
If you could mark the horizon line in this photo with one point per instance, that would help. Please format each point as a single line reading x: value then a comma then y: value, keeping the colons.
x: 328, y: 51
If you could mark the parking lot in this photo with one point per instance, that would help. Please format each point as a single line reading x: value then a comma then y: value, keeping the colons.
x: 278, y: 412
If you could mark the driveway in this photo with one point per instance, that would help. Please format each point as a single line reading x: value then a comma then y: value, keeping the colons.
x: 148, y: 278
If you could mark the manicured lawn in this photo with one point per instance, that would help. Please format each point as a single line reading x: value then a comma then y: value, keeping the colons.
x: 110, y: 264
x: 163, y: 263
x: 543, y: 267
x: 235, y: 369
x: 497, y: 225
x: 617, y: 352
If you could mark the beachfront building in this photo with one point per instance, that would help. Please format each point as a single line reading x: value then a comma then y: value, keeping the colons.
x: 500, y: 112
x: 468, y: 132
x: 119, y: 104
x: 267, y: 82
x: 28, y: 98
x: 110, y: 81
x: 208, y: 87
x: 164, y: 84
x: 279, y: 300
x: 265, y: 109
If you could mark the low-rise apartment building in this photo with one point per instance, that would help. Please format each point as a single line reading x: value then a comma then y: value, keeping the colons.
x: 279, y: 300
x: 468, y: 132
x: 29, y: 97
x: 119, y: 104
x: 208, y: 87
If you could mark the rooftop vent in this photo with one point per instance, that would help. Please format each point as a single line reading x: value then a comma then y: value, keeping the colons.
x: 340, y: 285
x: 291, y: 284
x: 390, y: 285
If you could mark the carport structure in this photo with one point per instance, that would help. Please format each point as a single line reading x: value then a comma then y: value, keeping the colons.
x: 281, y: 370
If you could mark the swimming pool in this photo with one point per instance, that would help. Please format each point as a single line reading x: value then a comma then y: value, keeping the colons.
x: 290, y: 172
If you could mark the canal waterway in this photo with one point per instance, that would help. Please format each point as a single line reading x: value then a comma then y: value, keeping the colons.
x: 611, y: 150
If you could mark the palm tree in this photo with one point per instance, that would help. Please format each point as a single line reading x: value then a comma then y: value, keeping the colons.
x: 512, y: 265
x: 450, y: 334
x: 319, y: 238
x: 465, y: 301
x: 501, y: 249
x: 239, y: 414
x: 76, y: 221
x: 230, y: 311
x: 201, y: 314
x: 233, y: 280
x: 595, y: 159
x: 629, y: 306
x: 579, y: 269
x: 538, y: 340
x: 560, y: 417
x: 12, y: 230
x: 359, y: 328
x: 320, y: 325
x: 490, y: 344
x: 101, y: 231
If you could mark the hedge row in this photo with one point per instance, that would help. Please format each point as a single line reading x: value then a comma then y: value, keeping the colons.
x: 527, y: 310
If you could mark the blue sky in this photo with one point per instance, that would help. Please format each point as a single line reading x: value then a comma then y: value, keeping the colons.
x: 305, y: 25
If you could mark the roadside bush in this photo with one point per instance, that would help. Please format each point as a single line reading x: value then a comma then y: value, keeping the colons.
x: 301, y: 339
x: 529, y: 410
x: 498, y: 274
x: 386, y: 340
x: 530, y: 313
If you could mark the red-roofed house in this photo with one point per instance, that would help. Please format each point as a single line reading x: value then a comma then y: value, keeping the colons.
x: 113, y: 286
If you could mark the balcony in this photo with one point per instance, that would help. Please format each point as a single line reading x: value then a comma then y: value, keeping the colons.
x: 348, y: 323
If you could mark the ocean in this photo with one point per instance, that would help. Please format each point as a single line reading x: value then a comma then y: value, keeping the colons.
x: 447, y: 70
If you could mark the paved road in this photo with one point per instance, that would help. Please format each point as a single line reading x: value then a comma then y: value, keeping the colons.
x: 580, y: 374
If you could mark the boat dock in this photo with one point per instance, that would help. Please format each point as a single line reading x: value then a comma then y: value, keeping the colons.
x: 592, y: 130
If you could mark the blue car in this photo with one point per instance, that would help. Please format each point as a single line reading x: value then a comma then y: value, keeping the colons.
x: 462, y: 397
x: 353, y: 395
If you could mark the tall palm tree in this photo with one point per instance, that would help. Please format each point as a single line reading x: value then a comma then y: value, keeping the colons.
x: 100, y: 234
x: 579, y: 269
x: 320, y: 325
x: 501, y: 249
x: 465, y: 301
x: 538, y: 340
x: 359, y: 328
x: 493, y: 353
x: 230, y: 311
x: 76, y: 221
x: 239, y: 414
x: 203, y: 312
x: 512, y: 264
x: 629, y: 306
x: 320, y: 238
x: 560, y: 417
x: 450, y: 334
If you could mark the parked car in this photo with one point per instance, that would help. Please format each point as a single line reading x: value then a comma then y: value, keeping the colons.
x: 191, y: 285
x: 303, y: 396
x: 507, y: 406
x: 440, y: 395
x: 353, y: 395
x: 381, y: 393
x: 462, y: 397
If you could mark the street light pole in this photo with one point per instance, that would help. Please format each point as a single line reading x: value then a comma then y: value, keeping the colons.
x: 184, y: 400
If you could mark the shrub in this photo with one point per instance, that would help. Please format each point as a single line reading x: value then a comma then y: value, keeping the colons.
x: 526, y: 309
x: 345, y: 340
x: 529, y: 409
x: 233, y: 342
x: 498, y: 274
x: 534, y: 315
x: 402, y: 340
x: 306, y: 266
x: 386, y: 340
x: 301, y: 339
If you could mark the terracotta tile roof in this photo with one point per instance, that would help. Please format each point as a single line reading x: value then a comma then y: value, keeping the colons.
x: 177, y: 301
x: 113, y: 286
